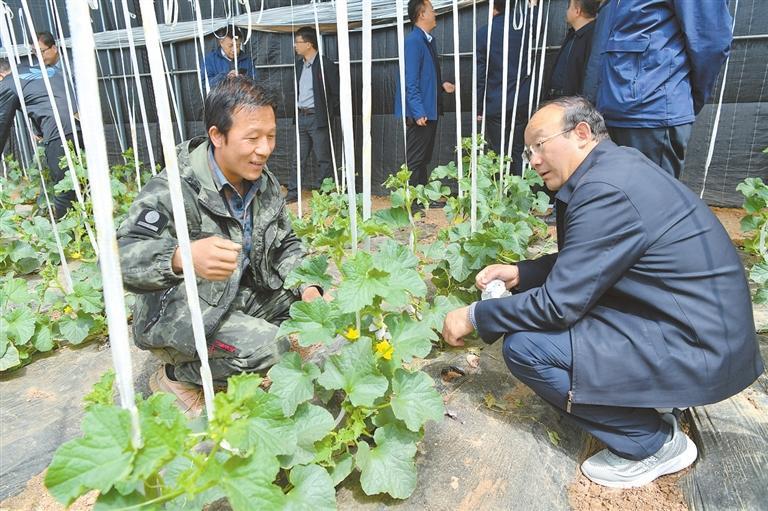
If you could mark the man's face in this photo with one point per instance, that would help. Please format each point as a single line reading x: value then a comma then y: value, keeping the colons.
x: 243, y: 153
x: 428, y: 17
x: 301, y: 46
x: 50, y: 53
x: 554, y: 152
x: 228, y: 47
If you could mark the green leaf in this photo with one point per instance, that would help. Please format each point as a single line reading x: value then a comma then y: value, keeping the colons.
x: 392, y: 257
x: 554, y: 438
x: 313, y: 423
x: 409, y: 338
x: 43, y: 339
x: 292, y: 381
x: 458, y: 264
x: 415, y: 400
x: 19, y: 325
x: 354, y: 370
x: 401, y: 285
x: 75, y: 330
x: 115, y: 500
x: 362, y: 282
x: 311, y: 271
x: 395, y: 217
x: 265, y: 431
x: 86, y: 298
x: 248, y: 482
x: 103, y: 392
x: 761, y: 295
x: 14, y: 291
x: 389, y: 467
x: 313, y: 322
x: 178, y: 471
x: 10, y: 358
x: 759, y: 273
x: 434, y: 316
x: 342, y: 468
x: 313, y: 490
x: 97, y: 461
x: 164, y: 431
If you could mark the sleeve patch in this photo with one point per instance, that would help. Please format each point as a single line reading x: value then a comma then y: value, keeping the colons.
x: 151, y: 221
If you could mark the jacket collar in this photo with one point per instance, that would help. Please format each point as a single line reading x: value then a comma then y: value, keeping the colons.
x: 564, y: 194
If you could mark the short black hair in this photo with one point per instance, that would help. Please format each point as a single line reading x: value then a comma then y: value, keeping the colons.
x: 308, y: 34
x: 414, y: 9
x: 577, y: 109
x: 230, y: 95
x: 588, y: 7
x: 46, y: 38
x: 229, y: 31
x: 500, y: 5
x: 5, y: 66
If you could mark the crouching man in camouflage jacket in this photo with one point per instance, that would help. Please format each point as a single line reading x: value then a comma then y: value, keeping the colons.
x: 242, y: 247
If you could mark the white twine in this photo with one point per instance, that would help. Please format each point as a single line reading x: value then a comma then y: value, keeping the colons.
x: 487, y: 67
x: 532, y: 62
x: 174, y: 102
x: 473, y: 157
x: 98, y: 176
x: 716, y: 124
x: 137, y: 81
x: 5, y: 31
x: 543, y: 56
x: 504, y: 79
x: 517, y: 94
x: 200, y: 47
x: 457, y: 96
x: 345, y: 96
x: 177, y: 201
x: 299, y: 198
x: 401, y: 71
x: 367, y: 108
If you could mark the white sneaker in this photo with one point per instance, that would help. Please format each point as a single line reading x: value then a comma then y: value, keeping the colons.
x: 608, y: 469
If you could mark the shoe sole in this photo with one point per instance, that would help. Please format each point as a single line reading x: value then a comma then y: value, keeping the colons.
x: 676, y: 464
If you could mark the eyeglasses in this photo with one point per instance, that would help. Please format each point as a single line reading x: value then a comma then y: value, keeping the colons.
x: 296, y: 41
x: 535, y: 148
x: 43, y: 50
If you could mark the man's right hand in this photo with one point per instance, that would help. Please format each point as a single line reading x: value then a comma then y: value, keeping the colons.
x: 214, y: 258
x: 421, y: 121
x: 508, y: 273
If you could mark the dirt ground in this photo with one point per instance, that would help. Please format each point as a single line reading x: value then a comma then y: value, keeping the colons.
x: 664, y: 494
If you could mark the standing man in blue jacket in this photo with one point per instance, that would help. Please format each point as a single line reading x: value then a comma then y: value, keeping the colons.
x: 654, y: 64
x: 227, y: 59
x: 490, y: 69
x: 644, y: 306
x: 423, y: 88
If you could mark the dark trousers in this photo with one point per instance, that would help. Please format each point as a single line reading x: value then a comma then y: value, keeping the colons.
x: 54, y: 152
x: 543, y: 361
x: 663, y: 146
x: 420, y: 142
x: 317, y: 140
x: 493, y: 136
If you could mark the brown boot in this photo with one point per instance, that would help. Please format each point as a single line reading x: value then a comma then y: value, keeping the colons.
x: 189, y: 397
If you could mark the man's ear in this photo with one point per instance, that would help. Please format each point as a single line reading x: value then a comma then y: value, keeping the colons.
x: 583, y: 132
x: 218, y: 138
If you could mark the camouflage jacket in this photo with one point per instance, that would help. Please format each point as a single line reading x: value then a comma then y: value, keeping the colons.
x: 147, y: 241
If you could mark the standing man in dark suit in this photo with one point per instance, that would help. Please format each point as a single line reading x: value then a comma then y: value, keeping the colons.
x: 490, y: 80
x: 645, y: 304
x: 567, y: 77
x: 653, y: 66
x: 423, y: 88
x: 318, y: 104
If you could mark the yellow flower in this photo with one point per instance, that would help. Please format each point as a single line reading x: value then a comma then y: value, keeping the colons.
x: 352, y: 334
x: 68, y: 309
x: 385, y: 349
x: 75, y: 255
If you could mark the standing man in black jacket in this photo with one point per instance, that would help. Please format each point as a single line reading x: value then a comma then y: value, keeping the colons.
x: 318, y: 102
x: 567, y: 77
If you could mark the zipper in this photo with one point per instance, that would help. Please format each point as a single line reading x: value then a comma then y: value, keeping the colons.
x: 569, y: 403
x: 161, y: 308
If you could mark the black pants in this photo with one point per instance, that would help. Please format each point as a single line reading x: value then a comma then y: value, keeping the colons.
x: 663, y: 146
x: 317, y: 140
x: 54, y: 151
x: 420, y: 143
x: 493, y: 136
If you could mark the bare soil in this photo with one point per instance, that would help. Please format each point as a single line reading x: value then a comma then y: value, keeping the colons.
x: 663, y: 494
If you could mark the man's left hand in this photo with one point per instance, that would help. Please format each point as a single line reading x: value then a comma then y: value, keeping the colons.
x: 310, y: 294
x: 456, y: 326
x: 449, y: 87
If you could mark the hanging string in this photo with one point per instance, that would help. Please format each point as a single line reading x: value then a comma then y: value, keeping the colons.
x: 329, y: 118
x: 504, y: 79
x: 345, y: 94
x: 154, y: 50
x: 517, y: 96
x: 367, y: 109
x: 716, y: 124
x: 174, y: 102
x: 6, y: 29
x: 59, y: 126
x: 137, y: 81
x: 98, y: 176
x: 457, y: 94
x: 401, y: 70
x: 543, y: 55
x: 200, y: 49
x: 300, y: 203
x: 171, y: 12
x: 532, y: 62
x: 473, y: 155
x: 487, y: 66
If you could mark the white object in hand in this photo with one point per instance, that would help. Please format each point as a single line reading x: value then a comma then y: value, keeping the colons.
x: 495, y: 289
